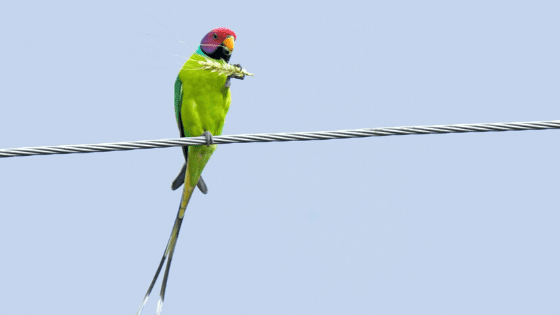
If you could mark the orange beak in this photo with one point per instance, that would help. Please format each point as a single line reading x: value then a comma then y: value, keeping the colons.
x: 229, y: 43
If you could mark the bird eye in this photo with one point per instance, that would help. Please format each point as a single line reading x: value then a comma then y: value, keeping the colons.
x: 215, y: 36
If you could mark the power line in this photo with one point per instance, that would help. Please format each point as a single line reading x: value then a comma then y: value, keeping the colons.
x: 290, y: 136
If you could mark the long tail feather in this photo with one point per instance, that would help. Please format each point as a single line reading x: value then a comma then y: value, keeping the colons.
x: 169, y: 250
x: 153, y: 281
x: 172, y: 244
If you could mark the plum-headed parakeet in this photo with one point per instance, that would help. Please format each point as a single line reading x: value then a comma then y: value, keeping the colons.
x: 202, y: 100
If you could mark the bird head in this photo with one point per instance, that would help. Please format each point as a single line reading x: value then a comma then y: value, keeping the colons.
x: 218, y: 43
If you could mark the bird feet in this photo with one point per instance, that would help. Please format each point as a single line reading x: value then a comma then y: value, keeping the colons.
x: 235, y: 76
x: 209, y: 139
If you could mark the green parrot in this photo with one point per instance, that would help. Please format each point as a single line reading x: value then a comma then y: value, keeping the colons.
x: 202, y: 100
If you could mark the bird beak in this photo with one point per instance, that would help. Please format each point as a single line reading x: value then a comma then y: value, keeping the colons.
x: 228, y: 42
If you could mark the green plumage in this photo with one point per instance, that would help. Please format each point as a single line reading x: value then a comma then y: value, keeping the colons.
x: 201, y: 104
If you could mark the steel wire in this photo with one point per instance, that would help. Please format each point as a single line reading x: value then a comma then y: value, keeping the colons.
x: 282, y: 137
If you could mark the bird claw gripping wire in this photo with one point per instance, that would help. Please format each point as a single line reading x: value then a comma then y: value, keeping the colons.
x: 209, y: 139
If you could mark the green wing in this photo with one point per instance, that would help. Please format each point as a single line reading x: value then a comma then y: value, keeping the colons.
x: 178, y: 103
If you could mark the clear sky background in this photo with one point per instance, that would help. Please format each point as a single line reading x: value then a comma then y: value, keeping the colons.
x: 435, y: 224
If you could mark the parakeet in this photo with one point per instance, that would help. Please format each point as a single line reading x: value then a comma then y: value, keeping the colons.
x: 202, y: 100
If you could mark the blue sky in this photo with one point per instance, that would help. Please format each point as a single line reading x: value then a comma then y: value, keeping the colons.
x: 436, y: 224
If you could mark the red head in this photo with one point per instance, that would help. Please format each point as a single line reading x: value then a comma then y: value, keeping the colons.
x: 218, y: 43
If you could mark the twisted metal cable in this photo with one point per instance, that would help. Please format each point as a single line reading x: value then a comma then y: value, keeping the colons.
x: 291, y: 136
